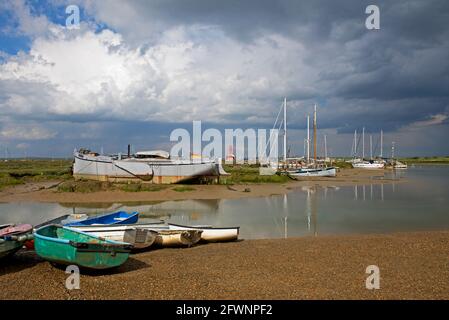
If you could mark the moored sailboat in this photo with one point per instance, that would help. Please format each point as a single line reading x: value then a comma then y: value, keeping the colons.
x: 313, y: 171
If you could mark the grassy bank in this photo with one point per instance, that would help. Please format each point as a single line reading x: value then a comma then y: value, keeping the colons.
x: 245, y: 174
x: 14, y: 172
x: 19, y: 171
x: 426, y: 160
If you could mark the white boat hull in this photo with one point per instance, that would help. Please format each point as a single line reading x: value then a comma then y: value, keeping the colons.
x: 105, y: 168
x: 140, y: 238
x: 368, y: 165
x: 177, y: 238
x: 331, y: 172
x: 210, y: 234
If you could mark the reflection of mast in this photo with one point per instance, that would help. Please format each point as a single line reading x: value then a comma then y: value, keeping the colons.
x: 382, y: 192
x: 364, y: 193
x: 286, y: 217
x: 314, y: 212
x: 356, y: 191
x: 371, y: 191
x: 308, y: 209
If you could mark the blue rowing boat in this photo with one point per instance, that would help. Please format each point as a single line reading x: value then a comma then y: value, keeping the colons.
x: 120, y: 217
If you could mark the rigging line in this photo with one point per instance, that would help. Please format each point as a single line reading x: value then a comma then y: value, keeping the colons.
x: 274, y: 125
x: 280, y: 126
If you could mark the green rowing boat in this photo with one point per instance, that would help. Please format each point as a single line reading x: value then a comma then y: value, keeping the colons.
x: 63, y: 245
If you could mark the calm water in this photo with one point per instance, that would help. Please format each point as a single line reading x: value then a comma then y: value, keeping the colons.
x: 421, y: 203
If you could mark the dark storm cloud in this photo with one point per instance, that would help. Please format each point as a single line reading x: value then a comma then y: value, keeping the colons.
x: 385, y: 79
x: 407, y: 58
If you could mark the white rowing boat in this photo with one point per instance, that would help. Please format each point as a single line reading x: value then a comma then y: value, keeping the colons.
x: 176, y: 238
x: 315, y: 172
x: 211, y: 234
x: 140, y: 238
x: 160, y: 233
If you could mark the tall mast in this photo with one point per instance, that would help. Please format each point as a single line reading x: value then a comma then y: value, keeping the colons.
x: 355, y: 143
x: 308, y: 139
x: 392, y: 150
x: 363, y: 143
x: 285, y: 130
x: 325, y: 148
x: 371, y: 146
x: 381, y: 143
x: 314, y: 135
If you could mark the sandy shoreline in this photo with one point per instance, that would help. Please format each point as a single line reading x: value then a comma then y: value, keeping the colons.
x: 412, y: 266
x: 46, y: 192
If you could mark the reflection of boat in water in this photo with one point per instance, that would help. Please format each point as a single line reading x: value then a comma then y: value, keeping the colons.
x: 151, y: 166
x: 192, y: 208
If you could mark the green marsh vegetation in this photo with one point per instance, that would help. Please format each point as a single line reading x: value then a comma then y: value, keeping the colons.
x: 20, y: 171
x: 426, y: 160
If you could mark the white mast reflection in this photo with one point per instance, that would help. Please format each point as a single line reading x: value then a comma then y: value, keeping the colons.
x: 309, y: 213
x: 286, y: 217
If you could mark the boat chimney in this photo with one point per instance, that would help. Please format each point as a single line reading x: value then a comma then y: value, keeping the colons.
x: 129, y: 150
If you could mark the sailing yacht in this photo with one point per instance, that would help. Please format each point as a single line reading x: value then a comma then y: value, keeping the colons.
x: 371, y: 163
x: 314, y: 171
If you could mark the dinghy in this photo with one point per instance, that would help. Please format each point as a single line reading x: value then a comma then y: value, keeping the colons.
x: 120, y: 217
x: 61, y: 220
x: 211, y: 234
x: 177, y: 238
x: 12, y: 238
x: 140, y: 238
x: 208, y: 233
x: 66, y: 246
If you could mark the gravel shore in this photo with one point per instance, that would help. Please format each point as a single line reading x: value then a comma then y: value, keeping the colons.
x: 412, y: 266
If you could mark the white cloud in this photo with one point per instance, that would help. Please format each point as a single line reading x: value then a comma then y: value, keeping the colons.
x: 79, y: 73
x: 26, y: 132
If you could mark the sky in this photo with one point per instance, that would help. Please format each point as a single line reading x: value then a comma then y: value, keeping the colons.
x: 136, y: 70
